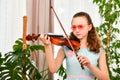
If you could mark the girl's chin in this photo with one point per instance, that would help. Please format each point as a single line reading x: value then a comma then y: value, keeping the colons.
x: 79, y: 36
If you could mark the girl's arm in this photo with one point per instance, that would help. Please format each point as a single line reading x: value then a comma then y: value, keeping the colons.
x: 102, y: 72
x: 53, y: 63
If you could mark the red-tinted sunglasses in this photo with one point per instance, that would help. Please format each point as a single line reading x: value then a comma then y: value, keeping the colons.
x: 79, y: 27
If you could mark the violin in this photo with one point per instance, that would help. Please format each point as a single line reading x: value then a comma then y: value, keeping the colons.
x: 59, y: 40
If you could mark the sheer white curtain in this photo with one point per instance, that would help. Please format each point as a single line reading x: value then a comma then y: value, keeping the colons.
x: 11, y: 22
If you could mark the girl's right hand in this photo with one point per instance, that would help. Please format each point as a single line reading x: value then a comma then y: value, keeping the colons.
x: 84, y: 60
x: 45, y: 39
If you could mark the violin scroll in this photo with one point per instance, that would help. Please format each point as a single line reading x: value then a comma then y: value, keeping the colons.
x: 32, y: 37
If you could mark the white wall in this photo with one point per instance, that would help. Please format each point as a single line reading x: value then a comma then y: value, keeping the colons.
x: 11, y: 22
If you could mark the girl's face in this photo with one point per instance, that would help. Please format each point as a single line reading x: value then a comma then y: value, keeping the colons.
x: 80, y: 27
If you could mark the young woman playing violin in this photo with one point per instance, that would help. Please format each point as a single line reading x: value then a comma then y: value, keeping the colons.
x: 90, y: 53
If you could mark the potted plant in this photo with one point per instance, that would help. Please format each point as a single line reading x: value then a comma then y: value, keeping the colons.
x: 17, y: 65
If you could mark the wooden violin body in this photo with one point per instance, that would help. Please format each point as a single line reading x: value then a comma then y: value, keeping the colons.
x: 59, y: 40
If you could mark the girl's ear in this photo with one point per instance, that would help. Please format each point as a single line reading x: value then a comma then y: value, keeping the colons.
x: 90, y: 27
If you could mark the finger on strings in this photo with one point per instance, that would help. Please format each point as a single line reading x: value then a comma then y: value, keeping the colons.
x: 45, y: 36
x: 42, y: 36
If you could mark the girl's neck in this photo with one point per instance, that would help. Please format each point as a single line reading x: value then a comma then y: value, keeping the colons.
x: 83, y: 43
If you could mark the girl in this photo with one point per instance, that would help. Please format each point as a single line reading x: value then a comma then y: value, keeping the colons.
x: 90, y: 54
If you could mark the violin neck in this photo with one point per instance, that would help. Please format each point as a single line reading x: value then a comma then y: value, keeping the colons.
x: 36, y: 36
x: 54, y: 35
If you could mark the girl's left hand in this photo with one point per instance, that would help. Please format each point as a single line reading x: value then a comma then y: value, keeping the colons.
x: 83, y: 60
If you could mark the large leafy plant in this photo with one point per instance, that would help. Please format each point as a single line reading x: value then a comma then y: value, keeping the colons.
x: 17, y: 65
x: 108, y: 31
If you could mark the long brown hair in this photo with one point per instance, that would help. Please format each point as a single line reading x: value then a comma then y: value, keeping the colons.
x: 93, y: 40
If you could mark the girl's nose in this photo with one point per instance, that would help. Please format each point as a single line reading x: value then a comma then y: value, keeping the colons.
x: 77, y: 29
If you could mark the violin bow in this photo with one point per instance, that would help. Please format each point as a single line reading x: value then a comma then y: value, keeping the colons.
x: 65, y: 33
x: 63, y: 29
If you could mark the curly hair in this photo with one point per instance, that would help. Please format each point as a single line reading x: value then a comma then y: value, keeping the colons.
x: 93, y: 40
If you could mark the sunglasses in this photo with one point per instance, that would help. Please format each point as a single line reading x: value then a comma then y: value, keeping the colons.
x: 79, y: 27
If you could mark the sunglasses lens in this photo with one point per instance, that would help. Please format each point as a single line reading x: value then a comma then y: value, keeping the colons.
x: 79, y: 27
x: 73, y: 28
